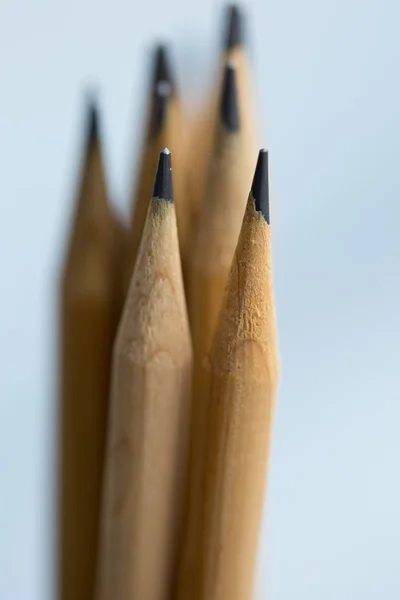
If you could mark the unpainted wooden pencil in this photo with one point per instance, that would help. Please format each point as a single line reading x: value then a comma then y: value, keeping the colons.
x: 148, y: 436
x: 236, y: 52
x: 89, y: 313
x: 206, y: 119
x: 242, y: 371
x: 216, y: 235
x: 214, y: 245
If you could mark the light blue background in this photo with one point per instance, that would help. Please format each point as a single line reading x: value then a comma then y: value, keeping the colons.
x: 328, y: 88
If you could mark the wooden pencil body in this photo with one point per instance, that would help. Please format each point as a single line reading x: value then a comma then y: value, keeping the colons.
x: 238, y: 443
x: 147, y: 446
x: 188, y: 566
x: 88, y: 324
x: 243, y: 377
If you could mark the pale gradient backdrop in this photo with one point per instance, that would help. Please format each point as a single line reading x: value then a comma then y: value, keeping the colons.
x: 328, y: 88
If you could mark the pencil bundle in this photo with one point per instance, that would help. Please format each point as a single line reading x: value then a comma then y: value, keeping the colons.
x: 169, y: 362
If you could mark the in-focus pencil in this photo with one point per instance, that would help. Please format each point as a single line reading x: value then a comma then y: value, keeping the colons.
x: 149, y: 419
x: 242, y: 371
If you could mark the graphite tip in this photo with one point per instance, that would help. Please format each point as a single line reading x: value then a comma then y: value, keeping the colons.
x: 161, y: 98
x: 162, y: 67
x: 234, y: 36
x: 260, y: 186
x: 163, y: 181
x: 92, y: 121
x: 229, y: 100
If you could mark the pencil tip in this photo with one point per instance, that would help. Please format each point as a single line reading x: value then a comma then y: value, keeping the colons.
x: 163, y: 181
x: 92, y: 122
x: 229, y: 101
x: 260, y: 186
x: 162, y: 71
x: 234, y: 27
x: 162, y: 94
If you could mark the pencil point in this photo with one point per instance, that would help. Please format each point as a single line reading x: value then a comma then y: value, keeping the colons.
x: 92, y: 122
x: 162, y: 95
x: 234, y: 27
x: 163, y: 181
x: 260, y: 186
x: 229, y: 101
x: 162, y: 71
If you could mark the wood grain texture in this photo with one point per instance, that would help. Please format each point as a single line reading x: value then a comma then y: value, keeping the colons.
x: 243, y: 374
x: 89, y: 313
x: 148, y: 439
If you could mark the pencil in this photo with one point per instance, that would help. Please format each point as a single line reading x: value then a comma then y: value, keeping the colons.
x: 214, y: 245
x: 89, y: 316
x: 165, y: 129
x: 215, y: 238
x: 148, y: 436
x: 243, y: 375
x: 234, y: 49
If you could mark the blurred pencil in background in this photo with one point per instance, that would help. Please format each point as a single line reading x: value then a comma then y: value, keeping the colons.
x: 216, y: 234
x: 214, y: 243
x: 207, y: 116
x: 89, y: 313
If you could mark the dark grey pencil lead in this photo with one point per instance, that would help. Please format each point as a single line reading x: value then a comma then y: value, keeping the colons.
x: 234, y: 35
x: 162, y: 70
x: 163, y: 181
x: 161, y: 98
x: 92, y: 123
x: 260, y: 186
x: 229, y: 100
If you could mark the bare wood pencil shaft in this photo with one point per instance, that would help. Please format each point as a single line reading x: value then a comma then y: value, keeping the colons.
x: 243, y: 374
x: 147, y: 447
x: 88, y: 323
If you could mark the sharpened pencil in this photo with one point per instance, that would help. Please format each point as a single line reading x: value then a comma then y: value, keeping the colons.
x: 234, y: 49
x: 89, y: 313
x: 218, y: 228
x: 242, y: 375
x: 214, y: 246
x: 148, y: 436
